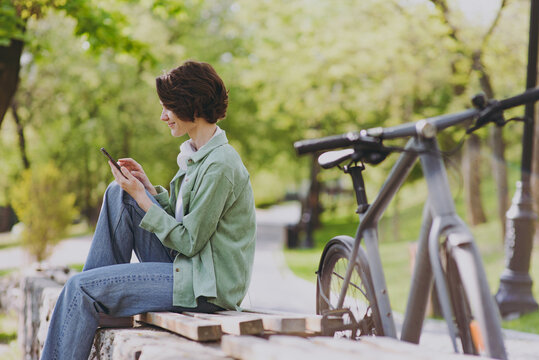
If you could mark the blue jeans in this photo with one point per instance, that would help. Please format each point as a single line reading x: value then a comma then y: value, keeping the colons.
x: 109, y: 283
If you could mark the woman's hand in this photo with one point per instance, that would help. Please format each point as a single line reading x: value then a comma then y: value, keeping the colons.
x: 136, y: 170
x: 132, y: 185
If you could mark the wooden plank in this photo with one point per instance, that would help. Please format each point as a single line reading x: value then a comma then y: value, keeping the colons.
x: 282, y: 324
x: 313, y: 322
x: 234, y: 325
x: 381, y: 347
x: 400, y: 347
x: 360, y: 349
x: 255, y: 348
x: 107, y: 321
x: 194, y: 329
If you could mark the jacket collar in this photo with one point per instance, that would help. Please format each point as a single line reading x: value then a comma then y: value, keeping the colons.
x: 216, y: 141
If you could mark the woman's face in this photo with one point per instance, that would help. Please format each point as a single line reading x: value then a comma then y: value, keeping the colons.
x: 177, y: 126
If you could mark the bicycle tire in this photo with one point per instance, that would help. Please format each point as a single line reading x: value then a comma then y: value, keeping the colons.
x: 476, y: 316
x: 360, y: 298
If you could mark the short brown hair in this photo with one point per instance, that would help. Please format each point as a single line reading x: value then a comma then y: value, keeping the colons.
x: 193, y: 89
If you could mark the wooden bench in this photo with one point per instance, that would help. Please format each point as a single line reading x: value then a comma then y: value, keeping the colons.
x: 272, y: 335
x: 211, y: 327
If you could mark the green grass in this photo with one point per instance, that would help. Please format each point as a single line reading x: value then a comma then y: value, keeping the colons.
x: 6, y: 241
x: 527, y: 323
x: 6, y: 272
x: 76, y: 267
x: 8, y: 332
x: 8, y: 335
x: 396, y: 235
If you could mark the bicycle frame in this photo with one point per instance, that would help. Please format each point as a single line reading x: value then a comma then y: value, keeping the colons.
x: 439, y: 218
x: 440, y: 221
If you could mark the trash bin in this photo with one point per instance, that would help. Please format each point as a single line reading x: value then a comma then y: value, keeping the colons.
x: 292, y: 236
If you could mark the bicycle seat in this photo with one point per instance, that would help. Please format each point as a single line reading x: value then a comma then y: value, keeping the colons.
x: 330, y: 159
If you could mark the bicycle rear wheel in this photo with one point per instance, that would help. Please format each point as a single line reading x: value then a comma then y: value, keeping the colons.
x: 360, y: 299
x: 475, y: 313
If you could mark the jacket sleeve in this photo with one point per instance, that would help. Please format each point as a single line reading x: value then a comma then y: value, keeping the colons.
x: 163, y: 199
x: 206, y: 206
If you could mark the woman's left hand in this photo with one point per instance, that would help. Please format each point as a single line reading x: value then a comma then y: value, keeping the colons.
x: 132, y: 185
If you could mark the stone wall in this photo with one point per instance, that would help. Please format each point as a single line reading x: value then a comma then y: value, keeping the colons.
x: 40, y: 289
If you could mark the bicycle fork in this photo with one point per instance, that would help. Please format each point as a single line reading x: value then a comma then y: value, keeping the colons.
x: 439, y: 221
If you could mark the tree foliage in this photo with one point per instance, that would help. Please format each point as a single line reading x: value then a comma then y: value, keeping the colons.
x: 295, y: 69
x: 101, y: 23
x: 42, y: 202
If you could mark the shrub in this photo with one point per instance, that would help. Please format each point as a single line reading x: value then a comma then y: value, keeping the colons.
x: 44, y: 205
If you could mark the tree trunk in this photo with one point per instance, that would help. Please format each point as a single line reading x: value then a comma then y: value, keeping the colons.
x: 7, y: 218
x: 311, y: 213
x: 499, y: 171
x: 471, y: 161
x: 497, y: 145
x: 20, y: 133
x: 9, y: 74
x: 535, y: 172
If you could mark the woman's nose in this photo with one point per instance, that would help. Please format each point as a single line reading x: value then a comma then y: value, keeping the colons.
x: 164, y: 116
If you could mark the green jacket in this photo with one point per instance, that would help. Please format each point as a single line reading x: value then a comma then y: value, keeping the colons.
x: 216, y: 239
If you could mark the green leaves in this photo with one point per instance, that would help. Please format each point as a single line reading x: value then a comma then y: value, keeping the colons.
x: 11, y: 25
x: 168, y: 8
x: 295, y: 69
x: 43, y: 203
x: 103, y: 28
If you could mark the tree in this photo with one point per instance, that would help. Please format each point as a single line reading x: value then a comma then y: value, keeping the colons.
x: 108, y: 45
x: 103, y: 29
x: 73, y: 103
x: 472, y: 51
x: 43, y: 203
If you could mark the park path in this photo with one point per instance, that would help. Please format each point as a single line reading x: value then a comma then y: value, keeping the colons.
x: 275, y: 287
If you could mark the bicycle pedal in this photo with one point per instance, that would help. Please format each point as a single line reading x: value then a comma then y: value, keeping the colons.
x: 330, y: 325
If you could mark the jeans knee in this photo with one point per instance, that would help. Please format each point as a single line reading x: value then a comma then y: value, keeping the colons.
x: 114, y: 193
x: 73, y: 283
x: 113, y: 187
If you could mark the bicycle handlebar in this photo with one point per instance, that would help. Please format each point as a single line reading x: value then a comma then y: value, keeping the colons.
x: 370, y: 139
x: 336, y: 141
x: 530, y: 95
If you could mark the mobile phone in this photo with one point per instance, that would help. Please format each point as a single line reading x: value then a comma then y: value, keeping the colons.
x: 114, y: 162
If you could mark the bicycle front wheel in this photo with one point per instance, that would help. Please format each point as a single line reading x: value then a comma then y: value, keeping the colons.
x: 360, y: 299
x: 476, y: 315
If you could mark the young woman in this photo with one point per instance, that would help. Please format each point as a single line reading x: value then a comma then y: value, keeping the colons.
x: 195, y: 246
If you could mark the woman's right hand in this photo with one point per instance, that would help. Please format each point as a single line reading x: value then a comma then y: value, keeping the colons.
x: 136, y: 170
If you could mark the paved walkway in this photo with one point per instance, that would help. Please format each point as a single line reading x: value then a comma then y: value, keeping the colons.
x: 275, y: 287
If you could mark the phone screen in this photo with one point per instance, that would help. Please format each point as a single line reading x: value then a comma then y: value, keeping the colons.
x: 111, y: 159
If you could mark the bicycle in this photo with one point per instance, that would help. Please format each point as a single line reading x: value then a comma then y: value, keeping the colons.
x: 350, y: 280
